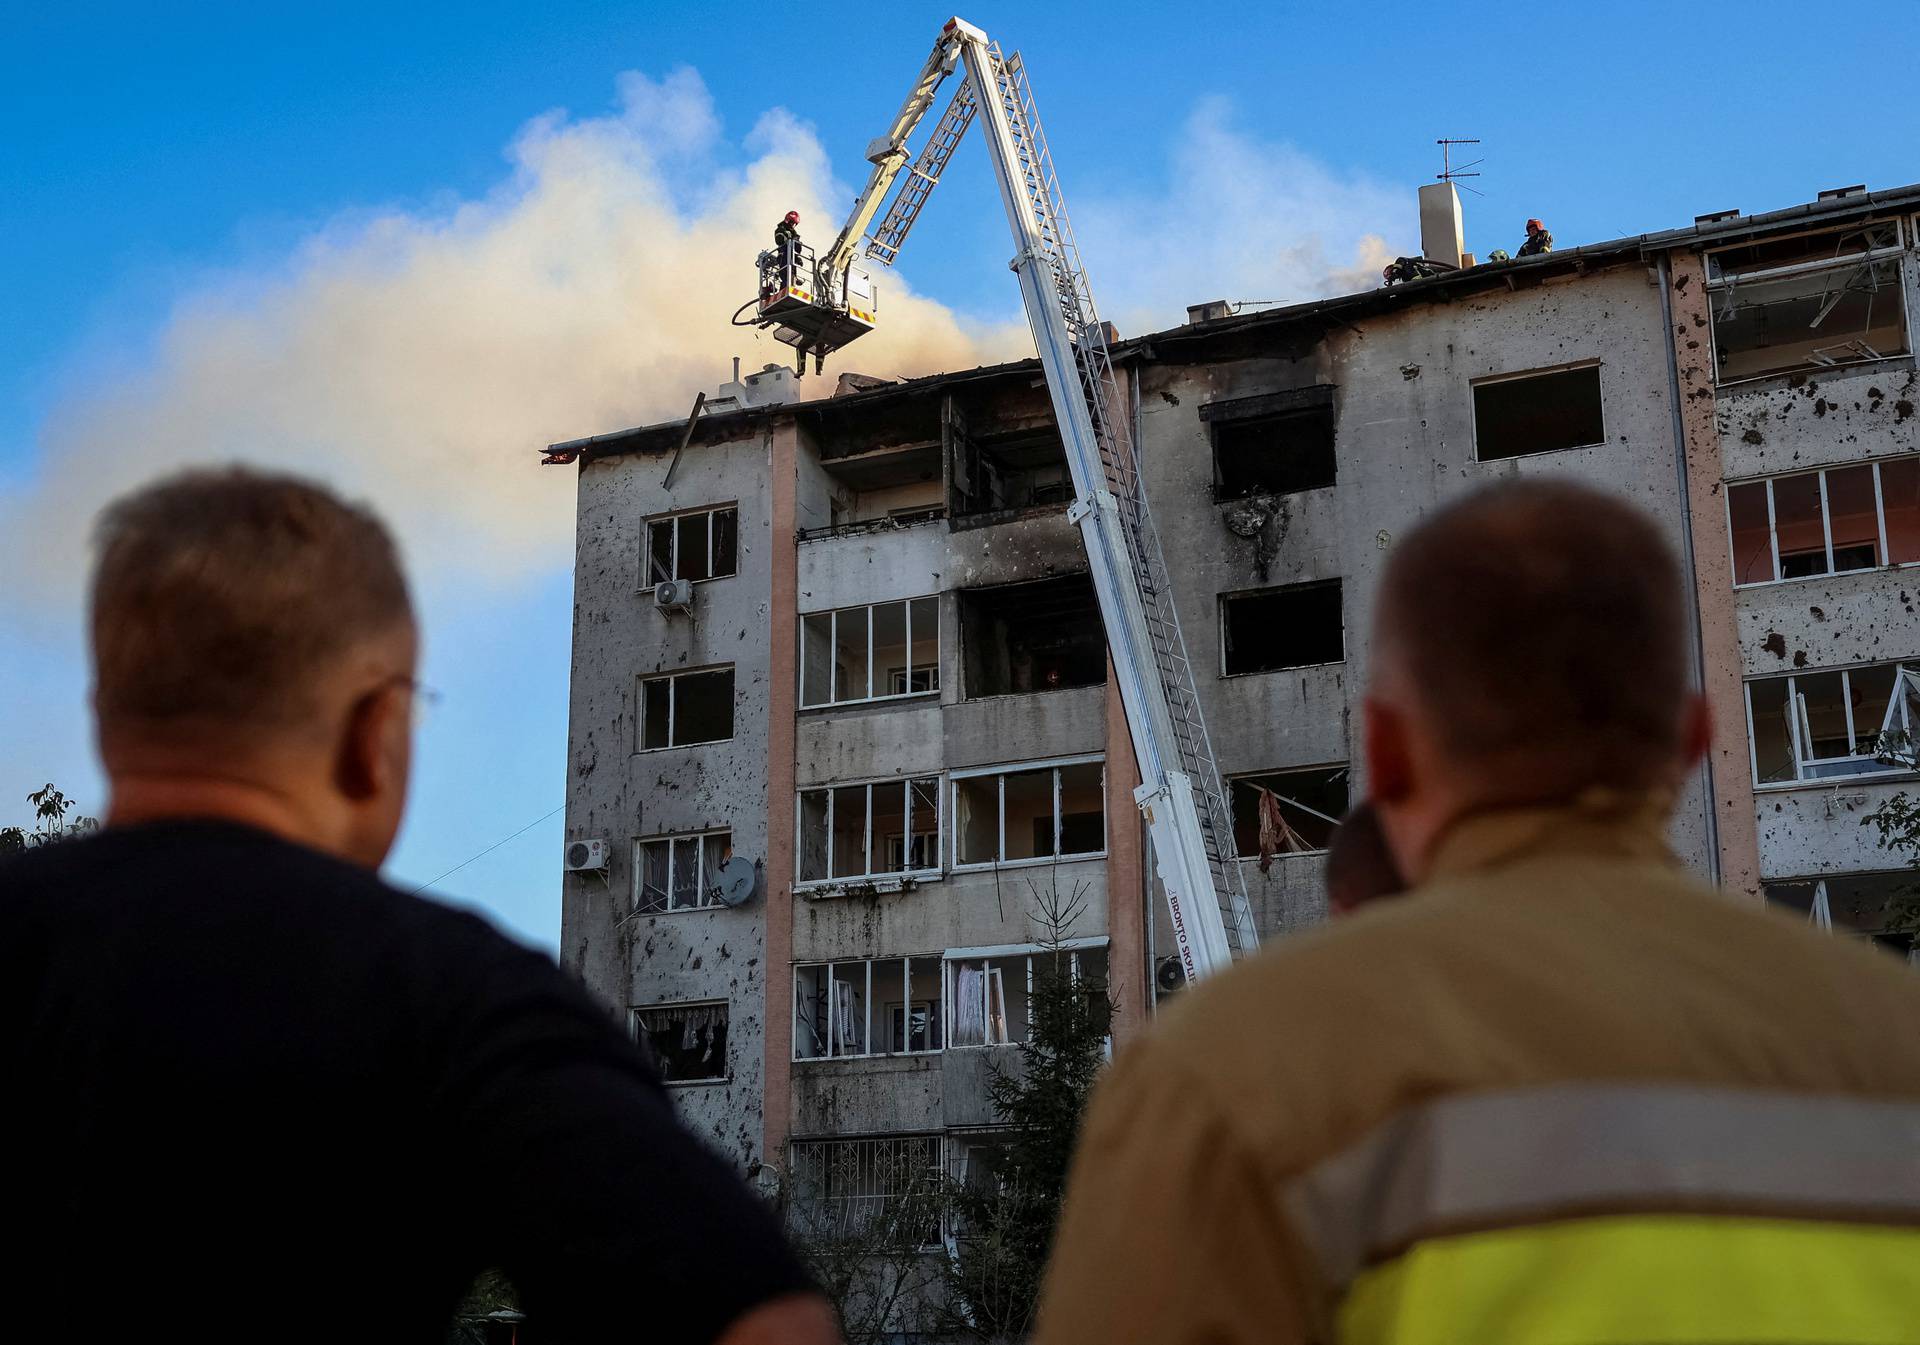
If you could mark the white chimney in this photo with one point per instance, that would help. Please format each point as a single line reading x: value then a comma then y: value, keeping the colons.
x: 1441, y: 232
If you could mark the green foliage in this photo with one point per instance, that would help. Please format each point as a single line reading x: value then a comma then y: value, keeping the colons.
x: 1004, y: 1225
x: 473, y: 1323
x: 52, y: 822
x: 1898, y: 823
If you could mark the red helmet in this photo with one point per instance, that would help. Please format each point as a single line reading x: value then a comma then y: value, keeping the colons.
x: 793, y: 217
x: 1534, y: 226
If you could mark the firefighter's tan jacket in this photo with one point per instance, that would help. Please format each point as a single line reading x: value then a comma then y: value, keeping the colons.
x: 1562, y: 1094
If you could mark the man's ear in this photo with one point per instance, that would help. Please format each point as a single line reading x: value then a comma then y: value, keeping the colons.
x: 1389, y: 752
x: 367, y: 762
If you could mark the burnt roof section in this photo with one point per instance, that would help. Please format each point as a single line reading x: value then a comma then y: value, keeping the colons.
x: 1275, y: 329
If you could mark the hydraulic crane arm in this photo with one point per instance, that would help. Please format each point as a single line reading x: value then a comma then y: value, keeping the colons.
x: 1188, y: 817
x: 888, y: 155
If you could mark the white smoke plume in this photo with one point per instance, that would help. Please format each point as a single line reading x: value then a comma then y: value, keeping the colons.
x: 1240, y: 218
x: 420, y: 358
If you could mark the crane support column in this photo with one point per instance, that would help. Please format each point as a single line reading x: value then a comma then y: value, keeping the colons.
x: 1194, y: 882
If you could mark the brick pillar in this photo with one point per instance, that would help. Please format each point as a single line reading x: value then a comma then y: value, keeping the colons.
x: 782, y: 623
x: 1739, y: 844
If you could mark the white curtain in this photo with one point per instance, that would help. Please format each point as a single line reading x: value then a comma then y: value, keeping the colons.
x: 969, y: 1006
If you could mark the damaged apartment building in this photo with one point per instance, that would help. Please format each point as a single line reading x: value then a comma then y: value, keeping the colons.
x: 842, y: 725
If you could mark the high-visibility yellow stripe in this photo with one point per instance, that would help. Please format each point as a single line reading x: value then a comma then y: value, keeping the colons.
x: 1679, y: 1279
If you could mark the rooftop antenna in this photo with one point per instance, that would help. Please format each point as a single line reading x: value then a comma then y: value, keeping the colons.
x: 1448, y: 173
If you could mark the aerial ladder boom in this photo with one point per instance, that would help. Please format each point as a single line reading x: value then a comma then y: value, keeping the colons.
x: 1189, y: 822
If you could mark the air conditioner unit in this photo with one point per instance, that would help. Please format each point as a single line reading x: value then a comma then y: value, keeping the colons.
x: 1169, y: 977
x: 586, y: 856
x: 673, y: 595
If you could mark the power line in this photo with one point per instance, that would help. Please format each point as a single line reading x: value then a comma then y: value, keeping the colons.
x: 489, y: 850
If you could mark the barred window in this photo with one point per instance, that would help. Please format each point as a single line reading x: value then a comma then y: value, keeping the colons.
x: 871, y: 1186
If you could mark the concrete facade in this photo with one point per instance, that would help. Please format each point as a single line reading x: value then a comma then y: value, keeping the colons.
x: 940, y: 490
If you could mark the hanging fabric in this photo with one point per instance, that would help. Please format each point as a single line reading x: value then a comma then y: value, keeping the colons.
x: 1276, y: 834
x: 970, y: 1006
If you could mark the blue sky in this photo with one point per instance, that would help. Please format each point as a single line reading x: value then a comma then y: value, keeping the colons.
x: 181, y: 185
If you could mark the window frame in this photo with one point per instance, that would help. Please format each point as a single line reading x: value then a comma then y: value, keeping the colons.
x: 1717, y: 282
x: 954, y: 958
x: 647, y: 580
x: 1596, y: 363
x: 725, y: 1076
x: 673, y: 701
x: 1819, y: 911
x: 868, y: 1051
x: 1904, y: 670
x: 833, y: 646
x: 906, y: 783
x: 1268, y: 409
x: 1826, y: 522
x: 673, y: 840
x: 1338, y: 583
x: 1054, y: 764
x: 1248, y: 776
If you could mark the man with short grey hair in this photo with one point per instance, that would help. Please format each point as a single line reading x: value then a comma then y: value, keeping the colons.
x: 1559, y: 1090
x: 258, y: 1094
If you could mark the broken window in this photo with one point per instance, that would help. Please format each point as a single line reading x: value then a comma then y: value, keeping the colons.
x: 701, y: 545
x: 1900, y: 509
x: 1857, y: 517
x: 1537, y: 413
x: 1797, y: 526
x: 858, y: 832
x: 1821, y: 725
x: 882, y: 1189
x: 870, y: 653
x: 989, y: 995
x: 1294, y: 626
x: 880, y: 1006
x: 679, y: 873
x: 1814, y: 301
x: 687, y: 1043
x: 1013, y: 471
x: 1852, y: 244
x: 682, y: 709
x: 1034, y: 813
x: 1305, y: 804
x: 1038, y: 636
x: 1750, y: 526
x: 1272, y: 445
x: 983, y: 1173
x: 1881, y: 907
x: 881, y: 489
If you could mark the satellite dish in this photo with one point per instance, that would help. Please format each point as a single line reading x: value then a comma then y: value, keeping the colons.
x: 737, y: 878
